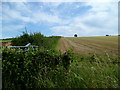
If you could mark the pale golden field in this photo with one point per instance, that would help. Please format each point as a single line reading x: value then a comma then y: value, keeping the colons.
x: 90, y: 45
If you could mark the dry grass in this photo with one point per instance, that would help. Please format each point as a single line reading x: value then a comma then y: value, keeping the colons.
x: 6, y: 43
x: 89, y: 45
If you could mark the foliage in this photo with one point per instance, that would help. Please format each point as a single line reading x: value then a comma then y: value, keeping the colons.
x: 51, y: 69
x: 47, y: 68
x: 22, y: 40
x: 36, y: 39
x: 20, y: 68
x: 55, y: 36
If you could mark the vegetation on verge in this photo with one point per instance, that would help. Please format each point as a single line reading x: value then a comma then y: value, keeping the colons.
x: 36, y: 39
x: 51, y: 69
x: 22, y: 69
x: 47, y: 68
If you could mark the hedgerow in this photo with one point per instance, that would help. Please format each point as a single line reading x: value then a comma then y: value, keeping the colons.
x: 36, y: 39
x: 52, y: 69
x: 20, y: 68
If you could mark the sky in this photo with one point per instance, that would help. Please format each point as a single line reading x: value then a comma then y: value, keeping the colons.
x: 59, y: 18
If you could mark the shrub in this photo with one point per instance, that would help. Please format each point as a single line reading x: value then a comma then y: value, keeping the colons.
x: 36, y: 39
x: 20, y: 68
x: 51, y: 69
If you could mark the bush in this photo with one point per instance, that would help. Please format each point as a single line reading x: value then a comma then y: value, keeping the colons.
x: 20, y: 68
x: 36, y: 39
x: 26, y: 38
x: 51, y: 69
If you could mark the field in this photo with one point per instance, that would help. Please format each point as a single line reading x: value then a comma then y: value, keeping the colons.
x: 77, y: 63
x: 90, y: 45
x: 5, y: 40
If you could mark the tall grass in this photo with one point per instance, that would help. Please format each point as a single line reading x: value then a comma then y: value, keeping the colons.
x: 91, y: 74
x: 83, y: 74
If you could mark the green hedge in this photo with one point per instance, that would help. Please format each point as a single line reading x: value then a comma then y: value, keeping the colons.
x: 51, y: 69
x: 20, y: 68
x: 36, y: 39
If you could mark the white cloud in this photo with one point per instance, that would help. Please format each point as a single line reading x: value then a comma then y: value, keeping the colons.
x: 38, y: 17
x: 24, y: 13
x: 60, y: 0
x: 10, y: 15
x: 11, y: 28
x: 101, y: 19
x: 51, y: 4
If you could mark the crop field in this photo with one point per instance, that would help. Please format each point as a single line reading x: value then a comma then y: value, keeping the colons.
x: 89, y: 45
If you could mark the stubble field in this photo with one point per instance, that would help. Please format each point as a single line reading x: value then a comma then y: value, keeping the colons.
x: 89, y: 45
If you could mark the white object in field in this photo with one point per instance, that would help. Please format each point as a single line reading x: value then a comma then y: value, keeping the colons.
x: 28, y: 45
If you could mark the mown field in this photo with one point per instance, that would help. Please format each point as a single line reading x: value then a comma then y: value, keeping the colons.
x: 71, y: 67
x: 89, y: 45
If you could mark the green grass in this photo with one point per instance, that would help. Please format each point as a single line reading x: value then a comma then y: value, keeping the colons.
x: 90, y: 74
x: 94, y: 75
x: 5, y: 40
x: 83, y: 74
x: 50, y: 43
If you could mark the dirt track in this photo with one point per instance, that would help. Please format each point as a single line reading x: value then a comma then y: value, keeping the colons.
x: 88, y: 45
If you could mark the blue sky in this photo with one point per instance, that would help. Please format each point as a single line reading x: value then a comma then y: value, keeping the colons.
x: 60, y: 18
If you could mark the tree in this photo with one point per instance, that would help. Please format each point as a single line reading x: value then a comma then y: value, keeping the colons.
x: 75, y: 35
x: 107, y: 35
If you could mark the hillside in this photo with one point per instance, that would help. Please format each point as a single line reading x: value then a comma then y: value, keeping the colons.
x: 89, y: 45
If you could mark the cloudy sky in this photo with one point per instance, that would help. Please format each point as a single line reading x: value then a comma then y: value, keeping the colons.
x: 60, y: 18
